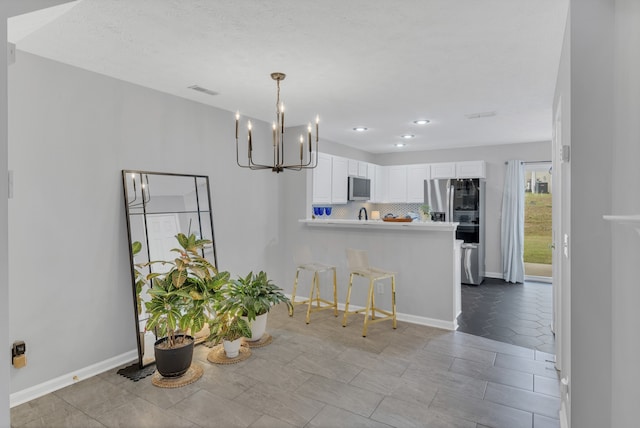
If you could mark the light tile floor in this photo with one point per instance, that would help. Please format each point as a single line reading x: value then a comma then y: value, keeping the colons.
x: 324, y: 375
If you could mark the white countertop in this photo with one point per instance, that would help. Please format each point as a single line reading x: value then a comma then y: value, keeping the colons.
x: 435, y: 226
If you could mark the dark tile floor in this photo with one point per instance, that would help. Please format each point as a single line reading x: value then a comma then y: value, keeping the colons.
x: 519, y: 314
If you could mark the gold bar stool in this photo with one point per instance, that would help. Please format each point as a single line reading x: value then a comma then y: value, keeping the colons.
x: 314, y: 295
x: 358, y: 263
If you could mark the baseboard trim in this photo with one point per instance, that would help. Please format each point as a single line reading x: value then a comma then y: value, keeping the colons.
x: 494, y: 275
x: 413, y: 319
x: 533, y: 278
x: 36, y: 391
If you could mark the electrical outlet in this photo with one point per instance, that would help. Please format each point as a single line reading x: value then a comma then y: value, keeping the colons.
x: 18, y: 357
x: 380, y: 288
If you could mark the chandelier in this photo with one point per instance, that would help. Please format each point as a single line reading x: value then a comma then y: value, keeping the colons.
x: 307, y: 161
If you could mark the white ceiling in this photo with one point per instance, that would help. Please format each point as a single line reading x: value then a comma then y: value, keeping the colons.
x: 374, y: 63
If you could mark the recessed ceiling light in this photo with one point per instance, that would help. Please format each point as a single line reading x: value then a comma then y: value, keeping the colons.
x: 360, y: 128
x: 399, y: 144
x: 407, y: 136
x: 421, y: 121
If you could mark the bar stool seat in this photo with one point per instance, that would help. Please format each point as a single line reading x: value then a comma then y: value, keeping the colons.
x: 314, y: 296
x: 358, y: 263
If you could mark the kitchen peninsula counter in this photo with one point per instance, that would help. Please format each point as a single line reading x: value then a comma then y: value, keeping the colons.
x: 424, y: 255
x: 380, y: 224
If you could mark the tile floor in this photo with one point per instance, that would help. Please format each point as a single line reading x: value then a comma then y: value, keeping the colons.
x: 324, y: 375
x: 519, y: 314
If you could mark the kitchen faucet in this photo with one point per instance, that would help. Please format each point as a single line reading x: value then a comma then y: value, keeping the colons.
x: 360, y: 214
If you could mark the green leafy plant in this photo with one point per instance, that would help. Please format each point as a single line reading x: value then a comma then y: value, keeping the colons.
x: 425, y: 209
x: 252, y: 295
x: 139, y: 276
x: 182, y: 298
x: 228, y: 326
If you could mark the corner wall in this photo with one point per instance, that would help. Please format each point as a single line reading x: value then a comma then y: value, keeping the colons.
x: 625, y: 341
x: 592, y: 140
x: 71, y: 134
x: 5, y: 362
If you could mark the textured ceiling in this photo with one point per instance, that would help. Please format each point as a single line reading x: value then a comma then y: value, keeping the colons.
x: 374, y: 63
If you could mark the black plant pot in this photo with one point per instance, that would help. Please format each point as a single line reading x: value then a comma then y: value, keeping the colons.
x: 176, y: 361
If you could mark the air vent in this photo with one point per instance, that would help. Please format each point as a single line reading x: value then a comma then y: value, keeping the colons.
x: 203, y: 90
x: 480, y: 115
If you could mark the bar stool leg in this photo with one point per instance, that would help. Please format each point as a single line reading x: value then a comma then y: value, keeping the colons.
x: 393, y: 300
x: 373, y: 302
x: 293, y: 295
x: 314, y: 285
x: 335, y: 294
x: 346, y: 303
x: 369, y: 308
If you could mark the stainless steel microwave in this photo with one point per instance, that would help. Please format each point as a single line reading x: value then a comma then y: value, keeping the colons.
x: 359, y: 189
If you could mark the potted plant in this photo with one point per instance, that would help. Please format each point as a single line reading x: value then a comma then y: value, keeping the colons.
x: 229, y: 328
x: 425, y: 212
x: 181, y: 300
x: 253, y: 295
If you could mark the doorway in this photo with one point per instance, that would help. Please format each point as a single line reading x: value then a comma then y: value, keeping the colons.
x: 537, y: 222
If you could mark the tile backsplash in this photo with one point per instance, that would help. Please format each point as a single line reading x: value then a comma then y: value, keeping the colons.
x: 351, y: 209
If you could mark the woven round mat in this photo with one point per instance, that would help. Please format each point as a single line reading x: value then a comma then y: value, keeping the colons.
x: 217, y: 355
x: 193, y: 374
x: 263, y: 341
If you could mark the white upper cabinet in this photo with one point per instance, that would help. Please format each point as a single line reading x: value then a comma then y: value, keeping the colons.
x: 362, y: 169
x: 358, y: 168
x: 371, y: 175
x: 381, y: 186
x: 471, y: 169
x: 353, y: 168
x: 339, y: 180
x: 416, y: 175
x: 389, y: 184
x: 330, y: 180
x: 443, y: 170
x: 322, y: 179
x: 397, y: 183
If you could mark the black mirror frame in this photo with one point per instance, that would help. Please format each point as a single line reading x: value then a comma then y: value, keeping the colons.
x: 143, y: 204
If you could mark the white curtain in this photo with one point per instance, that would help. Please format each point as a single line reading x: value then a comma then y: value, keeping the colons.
x: 512, y: 237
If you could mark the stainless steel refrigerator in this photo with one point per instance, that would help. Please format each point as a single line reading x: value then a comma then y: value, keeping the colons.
x: 462, y: 201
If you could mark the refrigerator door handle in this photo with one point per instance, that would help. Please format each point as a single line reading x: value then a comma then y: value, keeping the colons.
x: 450, y: 199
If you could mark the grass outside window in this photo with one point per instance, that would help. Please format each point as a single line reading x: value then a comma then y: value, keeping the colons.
x: 537, y: 228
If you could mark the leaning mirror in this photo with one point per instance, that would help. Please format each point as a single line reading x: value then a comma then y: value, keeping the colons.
x: 158, y: 206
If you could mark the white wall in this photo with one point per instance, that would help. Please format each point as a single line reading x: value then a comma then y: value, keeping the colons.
x: 8, y: 8
x: 71, y: 134
x: 494, y: 156
x: 562, y: 217
x: 592, y: 140
x: 625, y: 341
x: 4, y: 254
